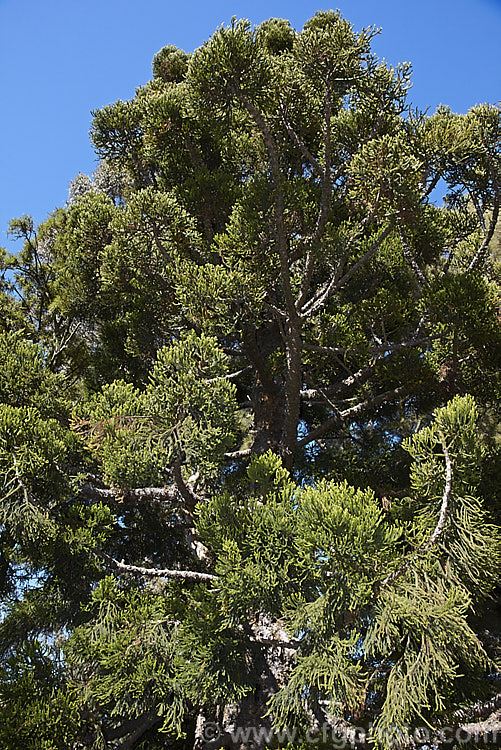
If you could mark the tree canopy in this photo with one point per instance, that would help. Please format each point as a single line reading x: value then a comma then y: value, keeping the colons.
x: 249, y: 414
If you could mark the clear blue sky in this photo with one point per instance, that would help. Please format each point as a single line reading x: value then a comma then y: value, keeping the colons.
x: 61, y: 59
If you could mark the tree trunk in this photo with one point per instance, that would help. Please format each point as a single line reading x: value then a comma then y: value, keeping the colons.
x: 269, y: 395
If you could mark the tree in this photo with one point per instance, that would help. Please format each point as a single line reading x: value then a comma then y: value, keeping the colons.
x: 249, y: 421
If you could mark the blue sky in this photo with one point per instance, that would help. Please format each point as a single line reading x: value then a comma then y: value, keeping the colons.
x: 60, y: 60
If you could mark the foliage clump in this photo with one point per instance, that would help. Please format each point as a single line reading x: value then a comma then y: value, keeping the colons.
x: 249, y: 414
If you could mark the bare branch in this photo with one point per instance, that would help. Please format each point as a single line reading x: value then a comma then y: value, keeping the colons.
x: 445, y: 497
x: 370, y: 252
x: 65, y: 341
x: 184, y: 575
x: 389, y: 347
x: 477, y: 258
x: 483, y: 730
x: 276, y: 643
x: 28, y: 496
x: 238, y: 454
x: 198, y: 164
x: 358, y: 377
x: 432, y: 185
x: 332, y: 350
x: 230, y: 376
x: 292, y: 327
x: 281, y: 235
x: 478, y: 208
x: 160, y: 494
x: 383, y: 353
x: 307, y: 274
x: 325, y: 201
x: 146, y: 722
x: 369, y: 403
x: 479, y: 255
x: 479, y: 710
x: 372, y: 134
x: 334, y: 284
x: 342, y: 417
x: 128, y: 726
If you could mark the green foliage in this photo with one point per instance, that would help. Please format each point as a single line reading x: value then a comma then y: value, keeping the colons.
x: 229, y: 62
x: 267, y: 474
x: 471, y: 543
x: 249, y: 422
x: 130, y: 641
x: 187, y: 411
x: 25, y: 379
x: 170, y: 64
x: 37, y: 713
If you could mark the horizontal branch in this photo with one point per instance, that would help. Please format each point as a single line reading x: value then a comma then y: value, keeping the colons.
x: 238, y: 454
x: 479, y: 710
x: 359, y: 377
x: 483, y: 730
x: 119, y: 494
x: 341, y: 417
x: 276, y: 643
x: 229, y: 376
x: 184, y: 575
x: 380, y: 349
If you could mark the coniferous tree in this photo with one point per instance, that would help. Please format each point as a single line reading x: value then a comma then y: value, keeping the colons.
x: 249, y: 409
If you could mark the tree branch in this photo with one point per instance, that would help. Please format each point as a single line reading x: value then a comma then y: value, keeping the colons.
x: 385, y: 352
x: 230, y: 376
x: 439, y: 528
x: 479, y: 710
x: 343, y: 416
x: 292, y: 328
x: 335, y: 283
x: 325, y: 201
x: 147, y: 721
x: 28, y: 496
x: 361, y: 376
x: 490, y: 728
x: 159, y: 494
x: 184, y: 575
x: 198, y: 164
x: 128, y: 726
x: 190, y: 497
x: 301, y: 145
x: 421, y: 280
x: 382, y: 348
x: 488, y: 237
x: 431, y: 185
x: 370, y: 252
x: 238, y: 454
